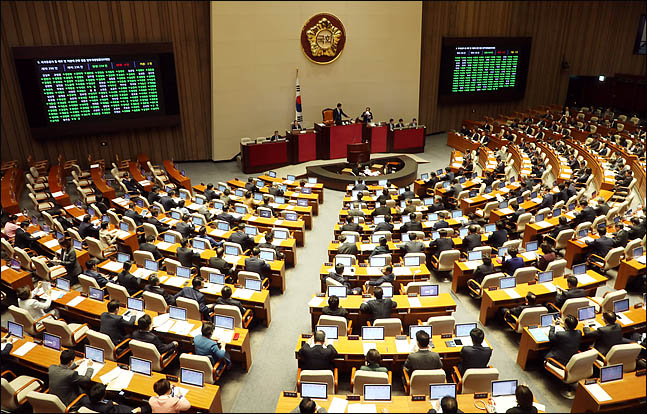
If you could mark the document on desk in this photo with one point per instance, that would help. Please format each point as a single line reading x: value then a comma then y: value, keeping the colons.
x: 278, y: 222
x: 113, y: 266
x: 362, y: 408
x: 538, y: 334
x: 624, y: 319
x: 57, y: 294
x: 337, y: 405
x: 504, y: 402
x: 641, y: 259
x: 402, y: 346
x: 367, y: 247
x: 176, y: 281
x: 50, y: 244
x: 414, y: 302
x: 243, y: 293
x: 402, y: 271
x: 598, y: 392
x: 142, y: 273
x: 82, y: 369
x: 512, y: 293
x: 585, y: 279
x: 26, y: 347
x: 543, y: 224
x: 550, y: 286
x: 121, y: 382
x: 75, y: 301
x: 316, y: 301
x: 181, y: 327
x: 529, y: 255
x: 166, y: 326
x: 224, y: 335
x: 57, y: 194
x: 5, y: 268
x: 506, y: 210
x: 163, y: 245
x: 160, y: 320
x: 212, y: 288
x: 368, y: 346
x: 473, y: 264
x: 233, y: 260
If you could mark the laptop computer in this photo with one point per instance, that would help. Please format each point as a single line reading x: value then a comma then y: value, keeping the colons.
x: 439, y: 391
x: 223, y: 322
x: 253, y: 284
x: 504, y: 387
x: 52, y: 341
x: 611, y: 373
x: 429, y: 290
x: 377, y: 392
x: 140, y: 366
x: 95, y: 354
x: 96, y: 294
x: 331, y: 331
x: 63, y: 284
x: 191, y: 377
x: 412, y: 261
x: 15, y: 329
x: 373, y: 333
x: 314, y: 390
x: 507, y: 282
x: 339, y: 291
x: 177, y: 313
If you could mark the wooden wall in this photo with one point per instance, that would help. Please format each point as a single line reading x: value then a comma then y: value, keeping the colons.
x: 594, y: 38
x: 42, y: 23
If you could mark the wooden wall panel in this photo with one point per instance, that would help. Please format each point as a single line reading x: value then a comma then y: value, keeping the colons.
x: 594, y: 37
x: 43, y: 23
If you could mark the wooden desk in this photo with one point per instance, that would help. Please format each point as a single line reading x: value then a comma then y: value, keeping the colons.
x: 82, y: 256
x: 409, y: 314
x: 461, y: 143
x: 376, y: 135
x: 316, y: 188
x: 628, y: 269
x: 363, y: 274
x: 530, y: 349
x: 136, y: 173
x: 492, y: 300
x: 408, y: 139
x: 464, y: 270
x: 14, y: 279
x: 102, y: 185
x: 626, y: 394
x: 302, y: 145
x: 56, y: 187
x: 41, y: 358
x: 13, y: 183
x: 313, y: 199
x: 262, y: 157
x: 176, y: 176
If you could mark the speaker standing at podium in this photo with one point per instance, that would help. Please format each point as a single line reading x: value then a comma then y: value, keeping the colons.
x: 337, y: 113
x: 367, y: 116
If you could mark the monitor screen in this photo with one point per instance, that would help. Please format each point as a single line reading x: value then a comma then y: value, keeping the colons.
x: 464, y: 329
x: 177, y: 313
x: 507, y: 282
x: 123, y: 257
x: 502, y: 251
x: 433, y: 217
x: 547, y: 319
x: 435, y: 235
x: 439, y: 172
x: 505, y: 387
x: 306, y: 190
x: 198, y: 200
x: 579, y: 269
x: 77, y: 244
x: 182, y: 195
x: 198, y: 244
x: 339, y: 291
x: 222, y: 225
x: 412, y: 260
x: 350, y: 238
x: 315, y: 390
x: 175, y: 215
x: 241, y: 209
x: 197, y: 221
x: 438, y: 391
x: 105, y: 219
x: 136, y: 304
x: 217, y: 278
x: 279, y: 199
x: 557, y: 212
x: 428, y: 201
x: 267, y: 255
x: 378, y: 219
x: 375, y: 392
x: 519, y: 199
x: 93, y: 353
x: 182, y: 271
x: 224, y: 322
x: 413, y: 329
x: 302, y: 203
x: 571, y: 207
x: 52, y: 341
x: 253, y: 284
x: 63, y: 284
x: 312, y: 180
x: 169, y: 238
x: 611, y: 373
x: 424, y: 176
x: 457, y: 213
x: 272, y: 174
x: 539, y: 217
x: 638, y: 251
x: 150, y: 265
x: 218, y: 205
x: 583, y: 233
x: 503, y: 204
x: 15, y: 264
x: 331, y: 331
x: 531, y: 246
x: 462, y: 180
x: 383, y: 182
x: 239, y: 192
x: 404, y: 237
x: 387, y: 291
x: 96, y: 294
x: 15, y: 329
x: 463, y: 232
x: 265, y: 213
x: 474, y: 255
x: 377, y: 261
x: 405, y: 219
x: 373, y: 333
x: 140, y: 366
x: 291, y: 216
x: 258, y: 196
x: 533, y: 194
x: 543, y: 277
x: 489, y: 228
x: 621, y: 305
x: 280, y: 234
x: 345, y: 260
x: 429, y: 290
x: 586, y: 313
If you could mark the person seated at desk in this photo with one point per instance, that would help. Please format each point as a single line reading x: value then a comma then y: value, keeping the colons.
x: 515, y: 262
x: 498, y: 236
x: 333, y: 308
x: 159, y: 226
x: 378, y: 308
x: 351, y: 226
x: 165, y: 402
x: 153, y: 286
x: 37, y: 306
x: 606, y: 336
x: 566, y: 343
x: 524, y: 401
x: 624, y: 180
x: 563, y: 225
x: 91, y: 271
x: 185, y: 254
x: 167, y: 201
x: 442, y: 222
x: 107, y: 238
x: 413, y: 245
x: 65, y: 382
x: 572, y: 292
x: 317, y: 356
x: 97, y: 402
x: 269, y: 238
x: 472, y: 240
x: 193, y: 292
x: 219, y: 263
x: 68, y: 259
x: 10, y: 227
x: 242, y: 238
x: 412, y: 225
x: 210, y: 193
x: 149, y: 246
x: 408, y: 193
x: 144, y: 334
x: 482, y: 270
x: 448, y: 405
x: 400, y: 123
x: 410, y: 208
x: 225, y: 299
x: 113, y: 324
x: 258, y: 265
x: 441, y: 244
x: 355, y: 210
x: 276, y: 136
x: 153, y: 195
x: 390, y: 124
x: 372, y: 362
x: 134, y: 215
x: 346, y: 248
x: 387, y: 277
x: 295, y: 126
x: 475, y: 355
x: 600, y: 246
x: 386, y: 225
x: 414, y: 123
x: 381, y: 248
x: 637, y: 229
x: 185, y: 228
x: 337, y: 274
x: 86, y: 229
x: 382, y: 210
x: 206, y: 346
x: 423, y: 357
x: 127, y: 279
x: 367, y: 115
x: 586, y: 214
x: 384, y: 196
x: 202, y: 233
x: 602, y: 208
x: 530, y: 302
x: 23, y: 238
x: 181, y: 207
x: 308, y: 406
x: 547, y: 257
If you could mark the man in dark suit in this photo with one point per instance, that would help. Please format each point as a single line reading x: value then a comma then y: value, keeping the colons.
x: 637, y: 230
x: 128, y: 280
x: 586, y: 214
x: 602, y: 208
x: 23, y: 238
x: 412, y: 225
x: 442, y: 223
x: 350, y: 225
x: 90, y: 271
x: 444, y: 242
x: 382, y: 210
x: 269, y: 237
x: 148, y: 246
x: 167, y: 201
x: 185, y: 228
x: 135, y: 216
x: 337, y: 114
x: 387, y: 277
x: 346, y: 248
x: 476, y: 355
x: 572, y: 292
x: 317, y: 356
x: 515, y: 262
x: 499, y: 236
x: 531, y: 302
x: 423, y: 358
x: 226, y: 216
x: 185, y: 254
x: 360, y: 186
x: 437, y: 205
x: 606, y: 336
x: 407, y: 193
x: 400, y: 123
x: 385, y: 225
x: 337, y: 274
x: 482, y: 270
x: 378, y: 308
x: 276, y: 136
x: 225, y: 299
x: 410, y: 208
x: 382, y: 248
x: 472, y: 240
x: 153, y: 195
x: 210, y: 193
x: 154, y: 287
x: 64, y: 381
x: 242, y: 238
x: 86, y: 229
x: 193, y: 292
x: 159, y: 226
x: 547, y: 199
x: 258, y: 265
x: 113, y: 324
x: 217, y: 262
x: 413, y: 245
x: 600, y: 246
x: 563, y: 225
x: 566, y: 343
x: 144, y: 334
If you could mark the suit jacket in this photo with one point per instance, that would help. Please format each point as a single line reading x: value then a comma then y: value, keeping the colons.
x: 483, y: 270
x: 135, y: 216
x: 637, y: 231
x: 601, y: 246
x: 351, y: 227
x: 521, y: 410
x: 406, y: 195
x: 509, y: 266
x: 471, y: 241
x: 185, y: 256
x: 440, y: 245
x: 441, y: 224
x: 587, y: 214
x: 381, y: 211
x: 382, y: 279
x: 243, y: 239
x: 210, y: 195
x: 564, y: 344
x: 113, y: 326
x: 220, y: 264
x: 380, y: 250
x: 422, y: 359
x: 152, y: 197
x: 167, y: 202
x: 336, y: 312
x: 569, y: 294
x: 348, y: 248
x: 254, y: 264
x: 337, y: 113
x: 64, y: 382
x: 170, y: 300
x: 159, y: 226
x: 414, y: 246
x: 129, y: 281
x: 476, y: 356
x: 151, y: 338
x: 185, y: 229
x: 101, y: 280
x: 86, y: 230
x: 72, y: 266
x: 497, y: 238
x: 411, y: 226
x: 547, y: 201
x: 24, y: 239
x: 384, y: 226
x: 232, y: 302
x: 190, y: 293
x: 150, y: 247
x: 605, y: 337
x: 378, y: 308
x: 317, y: 356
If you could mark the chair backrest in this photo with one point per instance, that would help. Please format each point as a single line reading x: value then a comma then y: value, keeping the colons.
x: 23, y: 317
x: 447, y: 259
x: 75, y: 234
x: 489, y: 207
x: 318, y: 375
x: 40, y: 267
x: 368, y: 377
x: 114, y: 218
x: 392, y: 326
x: 155, y: 302
x: 60, y: 328
x: 512, y: 243
x: 613, y: 258
x: 45, y: 403
x: 8, y: 401
x: 117, y: 292
x: 144, y: 350
x: 7, y: 247
x: 87, y: 282
x: 414, y: 287
x: 234, y: 245
x: 599, y: 219
x: 94, y: 247
x: 140, y: 257
x: 580, y: 366
x: 487, y: 250
x: 205, y: 271
x: 332, y: 282
x: 103, y: 341
x: 563, y: 237
x: 607, y: 302
x: 571, y: 306
x: 629, y: 249
x: 522, y: 221
x: 441, y: 324
x: 491, y: 280
x: 176, y: 234
x: 132, y: 226
x: 191, y: 306
x: 525, y: 274
x: 625, y: 354
x: 200, y: 363
x: 243, y: 275
x: 23, y: 258
x: 586, y: 225
x: 530, y: 316
x: 352, y: 233
x: 171, y: 265
x: 232, y: 311
x: 557, y: 266
x: 339, y: 321
x: 479, y: 380
x: 421, y: 378
x: 150, y: 230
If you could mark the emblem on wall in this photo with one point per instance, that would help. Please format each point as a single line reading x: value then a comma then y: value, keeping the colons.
x: 323, y: 38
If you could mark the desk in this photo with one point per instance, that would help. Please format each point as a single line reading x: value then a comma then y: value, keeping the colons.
x: 133, y: 167
x: 363, y: 274
x: 464, y: 270
x: 41, y: 358
x: 406, y: 140
x: 440, y: 305
x: 176, y: 176
x: 13, y: 182
x: 56, y: 187
x: 530, y: 349
x: 332, y: 140
x: 628, y: 269
x: 262, y: 157
x: 493, y: 300
x: 14, y: 279
x: 302, y: 145
x: 287, y: 246
x: 461, y: 143
x: 82, y: 256
x: 628, y: 393
x: 102, y: 185
x: 316, y: 188
x: 376, y: 135
x: 313, y: 199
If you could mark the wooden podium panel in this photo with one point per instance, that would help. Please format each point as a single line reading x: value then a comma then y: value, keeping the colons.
x: 332, y: 140
x: 263, y: 157
x: 376, y: 135
x: 357, y: 153
x: 406, y: 140
x: 302, y: 146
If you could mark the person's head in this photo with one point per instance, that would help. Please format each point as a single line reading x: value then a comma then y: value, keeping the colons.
x: 23, y: 292
x: 546, y: 248
x: 197, y: 282
x: 256, y: 251
x: 513, y: 252
x: 383, y: 241
x: 387, y: 218
x: 153, y: 280
x: 333, y: 302
x: 103, y: 225
x: 477, y: 336
x: 320, y: 337
x: 339, y: 268
x: 449, y: 405
x: 67, y: 356
x: 472, y: 229
x: 97, y: 392
x: 220, y: 251
x: 571, y: 281
x: 339, y: 105
x: 609, y: 317
x: 25, y: 224
x: 368, y: 108
x: 342, y: 239
x: 13, y: 218
x: 307, y: 406
x: 184, y: 242
x: 500, y: 225
x: 65, y: 243
x: 487, y: 260
x: 207, y: 329
x: 422, y: 338
x: 531, y: 298
x: 127, y: 266
x: 412, y: 216
x: 570, y: 322
x: 584, y: 203
x: 276, y: 132
x: 373, y: 357
x: 378, y: 292
x: 113, y: 305
x: 387, y: 270
x: 269, y: 237
x: 144, y: 322
x: 602, y: 231
x: 563, y: 220
x: 390, y: 120
x: 414, y: 120
x: 524, y: 396
x: 248, y: 195
x: 413, y: 236
x: 349, y: 219
x: 86, y: 219
x: 180, y: 204
x: 162, y: 387
x: 400, y: 120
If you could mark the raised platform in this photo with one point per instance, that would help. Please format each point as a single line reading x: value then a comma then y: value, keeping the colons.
x: 331, y: 176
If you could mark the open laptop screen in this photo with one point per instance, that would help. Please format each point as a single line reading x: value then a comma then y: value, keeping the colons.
x: 611, y: 373
x: 316, y: 390
x: 506, y: 387
x: 191, y: 377
x: 377, y: 392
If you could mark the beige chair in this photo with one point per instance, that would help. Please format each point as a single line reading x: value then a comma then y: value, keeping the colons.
x: 625, y: 354
x: 237, y: 246
x: 516, y: 243
x: 422, y: 258
x: 579, y: 367
x: 111, y: 351
x: 319, y: 375
x: 150, y: 230
x: 360, y: 378
x: 476, y: 289
x: 202, y: 363
x: 344, y: 327
x: 352, y: 233
x: 571, y: 306
x: 562, y: 238
x: 141, y: 256
x: 95, y: 250
x: 171, y: 265
x: 49, y: 403
x: 132, y: 226
x: 24, y: 258
x: 71, y: 334
x: 586, y: 225
x: 489, y: 207
x: 558, y: 267
x: 387, y: 258
x: 243, y: 275
x: 604, y: 303
x: 525, y: 274
x: 418, y: 383
x: 14, y: 392
x: 176, y: 234
x: 441, y: 324
x: 144, y: 350
x: 191, y: 306
x: 475, y: 379
x: 528, y: 316
x: 608, y: 264
x: 88, y: 282
x: 413, y: 287
x: 240, y: 320
x: 119, y: 293
x: 155, y: 302
x: 629, y: 248
x: 206, y: 271
x: 445, y: 262
x: 45, y: 272
x: 523, y: 219
x: 392, y: 326
x: 370, y: 288
x: 332, y: 282
x: 74, y: 234
x: 7, y: 248
x: 23, y: 317
x: 387, y: 234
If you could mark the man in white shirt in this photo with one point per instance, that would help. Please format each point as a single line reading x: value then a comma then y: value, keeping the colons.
x: 36, y: 307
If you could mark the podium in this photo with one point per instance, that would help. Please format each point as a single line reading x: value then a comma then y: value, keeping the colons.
x: 358, y: 153
x: 332, y: 139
